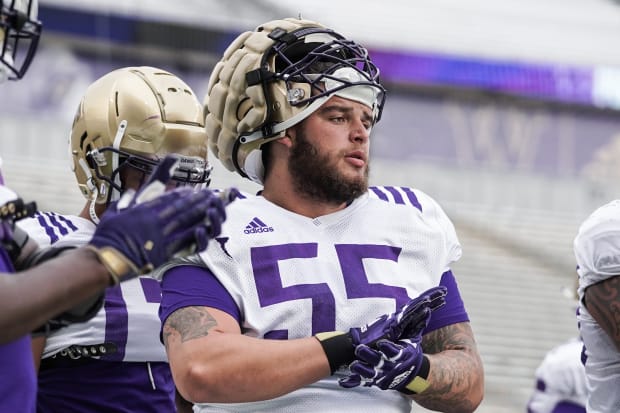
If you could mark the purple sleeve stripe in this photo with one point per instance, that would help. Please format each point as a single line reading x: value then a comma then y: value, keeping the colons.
x: 454, y: 310
x: 412, y: 198
x: 397, y: 196
x: 69, y: 224
x: 48, y: 230
x: 55, y: 224
x: 379, y: 193
x: 188, y: 285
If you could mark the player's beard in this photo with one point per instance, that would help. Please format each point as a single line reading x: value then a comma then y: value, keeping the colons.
x: 317, y: 176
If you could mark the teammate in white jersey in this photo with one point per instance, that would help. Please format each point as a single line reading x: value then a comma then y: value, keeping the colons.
x: 597, y: 250
x: 268, y: 318
x: 561, y: 378
x: 127, y: 120
x: 560, y: 381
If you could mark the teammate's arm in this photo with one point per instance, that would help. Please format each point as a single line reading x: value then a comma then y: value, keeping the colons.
x: 38, y: 346
x: 212, y: 361
x: 603, y: 302
x: 30, y: 298
x: 456, y: 373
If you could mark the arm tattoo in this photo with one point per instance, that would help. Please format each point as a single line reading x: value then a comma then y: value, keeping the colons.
x: 456, y: 369
x: 189, y: 323
x: 603, y: 303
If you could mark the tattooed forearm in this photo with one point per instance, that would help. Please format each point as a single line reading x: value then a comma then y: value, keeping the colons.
x: 188, y: 323
x: 456, y: 375
x: 603, y: 303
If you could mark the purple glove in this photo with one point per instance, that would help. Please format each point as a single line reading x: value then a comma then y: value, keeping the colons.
x: 408, y: 322
x: 393, y: 360
x: 399, y: 365
x: 152, y: 228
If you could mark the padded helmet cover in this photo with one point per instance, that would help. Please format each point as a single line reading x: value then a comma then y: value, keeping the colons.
x: 272, y: 78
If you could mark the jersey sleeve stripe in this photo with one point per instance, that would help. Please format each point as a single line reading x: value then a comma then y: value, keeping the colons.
x: 55, y: 225
x: 412, y: 198
x: 398, y: 198
x: 396, y: 195
x: 378, y: 192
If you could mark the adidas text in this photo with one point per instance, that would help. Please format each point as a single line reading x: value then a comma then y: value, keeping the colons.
x: 257, y: 230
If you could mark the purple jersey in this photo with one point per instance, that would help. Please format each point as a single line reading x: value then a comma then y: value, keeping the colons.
x: 18, y: 385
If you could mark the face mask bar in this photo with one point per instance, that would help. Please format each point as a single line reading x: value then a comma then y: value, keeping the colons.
x: 21, y: 39
x: 297, y: 56
x: 328, y: 54
x: 190, y: 170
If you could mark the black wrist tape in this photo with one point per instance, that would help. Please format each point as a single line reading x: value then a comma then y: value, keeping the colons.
x: 338, y: 348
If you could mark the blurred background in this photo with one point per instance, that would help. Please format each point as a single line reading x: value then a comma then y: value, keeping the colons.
x: 507, y: 113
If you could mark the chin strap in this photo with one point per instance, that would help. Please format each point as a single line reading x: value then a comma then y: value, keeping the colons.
x: 91, y: 209
x: 116, y: 144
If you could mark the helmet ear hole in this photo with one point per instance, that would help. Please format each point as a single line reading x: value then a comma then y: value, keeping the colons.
x: 244, y: 107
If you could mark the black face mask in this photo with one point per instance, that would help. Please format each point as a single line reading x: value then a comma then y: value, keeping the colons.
x: 21, y: 39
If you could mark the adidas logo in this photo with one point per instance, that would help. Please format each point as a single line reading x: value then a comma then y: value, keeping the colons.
x: 255, y: 226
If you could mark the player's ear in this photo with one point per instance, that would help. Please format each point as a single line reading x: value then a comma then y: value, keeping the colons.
x: 287, y: 139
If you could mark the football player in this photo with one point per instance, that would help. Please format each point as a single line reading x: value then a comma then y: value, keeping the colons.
x: 560, y: 381
x: 597, y: 250
x: 267, y: 319
x: 561, y: 377
x: 126, y: 122
x: 143, y: 235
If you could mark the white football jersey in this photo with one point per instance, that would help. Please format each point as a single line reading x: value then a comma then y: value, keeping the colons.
x: 128, y: 319
x: 291, y: 276
x: 560, y: 378
x: 597, y: 250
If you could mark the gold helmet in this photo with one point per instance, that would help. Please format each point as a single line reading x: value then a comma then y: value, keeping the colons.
x: 135, y: 116
x: 19, y: 31
x: 272, y: 78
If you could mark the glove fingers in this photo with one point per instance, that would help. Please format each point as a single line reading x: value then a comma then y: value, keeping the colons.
x: 367, y: 354
x: 214, y: 221
x: 194, y: 239
x: 348, y: 382
x: 433, y: 297
x: 125, y: 201
x: 190, y: 239
x: 362, y: 369
x: 418, y: 311
x: 389, y: 348
x: 229, y: 195
x: 201, y: 238
x: 412, y: 308
x: 185, y: 208
x: 438, y: 297
x: 416, y: 324
x: 163, y: 172
x: 156, y: 183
